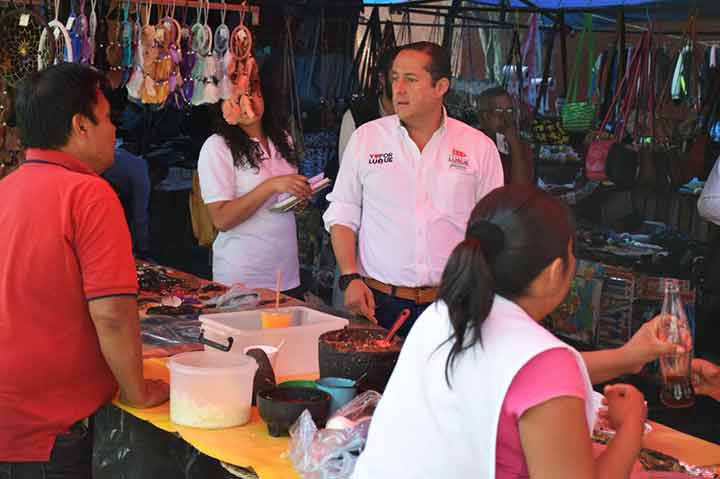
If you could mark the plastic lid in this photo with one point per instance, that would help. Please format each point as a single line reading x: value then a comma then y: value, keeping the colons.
x: 210, y: 362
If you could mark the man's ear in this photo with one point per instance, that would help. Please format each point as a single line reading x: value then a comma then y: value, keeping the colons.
x: 442, y: 86
x: 79, y: 124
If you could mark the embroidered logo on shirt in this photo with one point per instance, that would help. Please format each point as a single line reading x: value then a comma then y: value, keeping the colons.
x: 379, y: 158
x: 458, y: 159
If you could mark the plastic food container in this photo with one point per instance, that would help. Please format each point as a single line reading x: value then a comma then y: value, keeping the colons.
x: 299, y: 353
x: 211, y: 389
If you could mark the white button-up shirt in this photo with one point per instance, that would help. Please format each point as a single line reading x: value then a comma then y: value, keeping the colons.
x: 709, y: 203
x: 410, y: 208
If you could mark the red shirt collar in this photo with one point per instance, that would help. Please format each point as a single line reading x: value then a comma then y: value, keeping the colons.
x: 56, y: 157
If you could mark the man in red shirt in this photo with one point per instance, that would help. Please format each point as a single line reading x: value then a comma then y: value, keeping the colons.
x: 69, y: 328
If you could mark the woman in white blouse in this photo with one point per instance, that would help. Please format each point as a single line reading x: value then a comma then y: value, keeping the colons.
x: 243, y: 169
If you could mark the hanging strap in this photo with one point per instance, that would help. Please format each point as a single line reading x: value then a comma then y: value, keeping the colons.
x: 546, y: 69
x: 586, y: 37
x: 628, y: 79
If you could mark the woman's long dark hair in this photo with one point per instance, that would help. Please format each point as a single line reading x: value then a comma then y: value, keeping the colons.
x: 513, y: 234
x: 247, y: 153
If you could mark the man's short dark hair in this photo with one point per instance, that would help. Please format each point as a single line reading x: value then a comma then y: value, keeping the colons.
x: 47, y: 100
x: 484, y: 99
x: 439, y: 64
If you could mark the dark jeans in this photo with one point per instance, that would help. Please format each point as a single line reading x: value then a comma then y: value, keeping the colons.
x: 388, y: 307
x: 71, y: 458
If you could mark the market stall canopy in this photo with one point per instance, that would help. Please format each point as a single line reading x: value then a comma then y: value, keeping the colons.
x: 574, y: 4
x: 636, y: 11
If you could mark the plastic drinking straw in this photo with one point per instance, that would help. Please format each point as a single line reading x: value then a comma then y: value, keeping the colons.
x: 277, y: 291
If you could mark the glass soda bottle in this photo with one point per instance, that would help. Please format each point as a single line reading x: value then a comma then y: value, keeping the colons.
x: 677, y: 390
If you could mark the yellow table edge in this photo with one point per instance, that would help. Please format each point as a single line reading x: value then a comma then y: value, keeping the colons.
x: 251, y: 446
x: 247, y: 446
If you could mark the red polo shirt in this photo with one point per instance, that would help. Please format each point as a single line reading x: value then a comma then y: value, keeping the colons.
x: 64, y: 242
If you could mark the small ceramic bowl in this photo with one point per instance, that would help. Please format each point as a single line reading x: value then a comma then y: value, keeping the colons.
x: 280, y: 407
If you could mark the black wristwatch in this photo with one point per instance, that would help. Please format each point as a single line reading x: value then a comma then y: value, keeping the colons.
x: 346, y: 279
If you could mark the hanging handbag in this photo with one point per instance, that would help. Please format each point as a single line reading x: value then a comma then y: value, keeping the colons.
x: 579, y: 116
x: 606, y: 153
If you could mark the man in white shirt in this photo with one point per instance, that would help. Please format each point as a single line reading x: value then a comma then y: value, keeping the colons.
x: 405, y: 190
x: 359, y: 113
x: 709, y: 202
x: 369, y: 109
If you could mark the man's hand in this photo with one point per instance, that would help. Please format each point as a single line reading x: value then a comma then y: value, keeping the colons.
x: 360, y: 300
x: 706, y: 378
x: 646, y: 346
x: 156, y: 392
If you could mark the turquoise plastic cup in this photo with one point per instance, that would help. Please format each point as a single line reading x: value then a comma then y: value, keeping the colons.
x: 341, y: 391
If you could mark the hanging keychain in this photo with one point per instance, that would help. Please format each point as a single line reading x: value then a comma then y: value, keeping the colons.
x: 172, y: 27
x: 212, y: 94
x: 243, y: 69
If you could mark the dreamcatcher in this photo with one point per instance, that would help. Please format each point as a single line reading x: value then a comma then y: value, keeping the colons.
x: 51, y: 47
x: 182, y: 93
x: 175, y: 81
x: 242, y: 68
x: 202, y: 46
x: 221, y: 52
x: 20, y: 32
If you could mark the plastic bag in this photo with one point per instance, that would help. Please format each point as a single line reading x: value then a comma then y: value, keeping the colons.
x: 237, y: 297
x: 332, y: 453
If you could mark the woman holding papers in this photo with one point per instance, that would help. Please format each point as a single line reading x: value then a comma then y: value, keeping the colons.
x: 243, y: 170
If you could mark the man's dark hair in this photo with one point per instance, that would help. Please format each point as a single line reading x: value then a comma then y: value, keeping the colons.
x: 439, y: 64
x: 488, y: 95
x: 47, y: 100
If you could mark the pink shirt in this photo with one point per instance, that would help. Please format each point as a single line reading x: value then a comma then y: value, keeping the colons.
x: 550, y: 374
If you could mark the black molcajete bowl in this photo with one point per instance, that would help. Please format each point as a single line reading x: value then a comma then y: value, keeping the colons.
x: 280, y: 407
x: 353, y: 353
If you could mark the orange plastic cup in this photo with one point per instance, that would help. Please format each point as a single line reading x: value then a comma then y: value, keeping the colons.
x: 275, y: 319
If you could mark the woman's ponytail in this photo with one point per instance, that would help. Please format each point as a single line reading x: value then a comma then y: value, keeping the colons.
x: 513, y: 234
x: 468, y: 286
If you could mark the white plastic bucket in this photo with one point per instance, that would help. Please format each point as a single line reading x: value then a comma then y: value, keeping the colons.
x: 211, y: 389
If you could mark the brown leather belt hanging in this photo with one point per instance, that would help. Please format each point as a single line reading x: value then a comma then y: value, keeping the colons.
x: 421, y: 294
